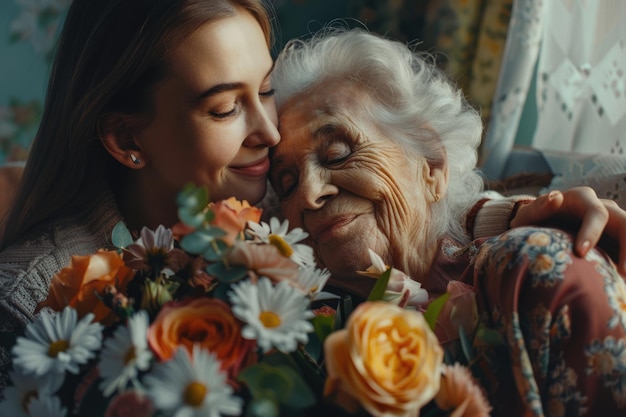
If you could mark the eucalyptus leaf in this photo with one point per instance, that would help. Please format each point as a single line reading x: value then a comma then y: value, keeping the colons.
x: 120, y: 236
x: 226, y: 274
x: 380, y: 287
x: 200, y: 240
x: 434, y: 309
x: 191, y: 218
x: 215, y: 251
x: 193, y: 197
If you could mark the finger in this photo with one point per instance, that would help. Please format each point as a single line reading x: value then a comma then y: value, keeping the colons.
x: 617, y: 227
x: 541, y: 209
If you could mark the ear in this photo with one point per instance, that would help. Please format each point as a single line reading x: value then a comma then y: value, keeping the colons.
x: 435, y: 177
x: 120, y: 142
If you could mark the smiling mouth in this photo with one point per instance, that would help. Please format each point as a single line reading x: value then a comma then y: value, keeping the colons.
x: 329, y: 229
x: 258, y: 168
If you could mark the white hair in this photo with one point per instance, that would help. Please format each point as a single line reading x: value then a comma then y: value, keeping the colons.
x: 414, y: 103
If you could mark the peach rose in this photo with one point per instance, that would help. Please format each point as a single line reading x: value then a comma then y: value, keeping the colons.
x: 232, y: 216
x: 262, y: 261
x: 82, y: 283
x: 460, y: 394
x: 386, y: 359
x: 208, y: 322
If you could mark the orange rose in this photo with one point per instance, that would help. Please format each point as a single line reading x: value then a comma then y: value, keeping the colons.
x: 232, y: 216
x: 81, y: 284
x: 205, y: 321
x: 386, y: 359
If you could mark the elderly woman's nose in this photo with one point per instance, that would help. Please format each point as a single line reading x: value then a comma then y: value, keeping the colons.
x: 315, y: 189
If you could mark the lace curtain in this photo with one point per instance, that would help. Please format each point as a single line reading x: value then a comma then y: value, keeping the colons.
x: 562, y: 92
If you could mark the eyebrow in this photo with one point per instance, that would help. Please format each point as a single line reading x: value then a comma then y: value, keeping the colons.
x: 324, y: 130
x: 220, y: 88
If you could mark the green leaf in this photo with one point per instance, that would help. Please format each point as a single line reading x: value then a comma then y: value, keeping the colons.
x: 488, y: 336
x: 191, y: 202
x: 323, y: 326
x: 120, y: 236
x: 227, y: 274
x: 200, y: 240
x: 466, y: 345
x: 380, y: 287
x: 344, y: 309
x: 281, y: 383
x: 434, y: 309
x: 215, y: 251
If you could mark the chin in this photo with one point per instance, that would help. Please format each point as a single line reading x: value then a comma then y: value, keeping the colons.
x: 254, y: 193
x: 345, y: 263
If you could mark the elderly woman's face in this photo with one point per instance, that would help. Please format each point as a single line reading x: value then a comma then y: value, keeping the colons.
x: 350, y: 187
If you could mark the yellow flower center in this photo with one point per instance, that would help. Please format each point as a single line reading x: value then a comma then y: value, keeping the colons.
x: 282, y: 246
x: 130, y: 355
x: 269, y: 319
x: 57, y: 347
x: 194, y: 394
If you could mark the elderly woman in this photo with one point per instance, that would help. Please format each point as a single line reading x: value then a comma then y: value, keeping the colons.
x: 379, y: 151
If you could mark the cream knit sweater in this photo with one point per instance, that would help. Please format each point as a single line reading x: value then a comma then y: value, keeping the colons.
x: 27, y: 267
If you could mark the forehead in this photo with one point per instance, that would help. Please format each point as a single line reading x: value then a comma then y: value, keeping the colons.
x: 336, y: 102
x: 223, y: 50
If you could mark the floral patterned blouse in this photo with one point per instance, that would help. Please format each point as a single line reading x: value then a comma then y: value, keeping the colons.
x: 559, y: 322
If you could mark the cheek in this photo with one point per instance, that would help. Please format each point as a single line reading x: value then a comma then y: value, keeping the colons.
x: 291, y: 213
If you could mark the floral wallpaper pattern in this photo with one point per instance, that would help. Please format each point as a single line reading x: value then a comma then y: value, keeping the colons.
x: 33, y: 24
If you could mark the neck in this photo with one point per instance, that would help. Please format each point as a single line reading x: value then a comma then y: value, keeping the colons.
x: 143, y: 205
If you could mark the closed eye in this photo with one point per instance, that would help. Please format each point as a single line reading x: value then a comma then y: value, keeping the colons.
x: 267, y: 93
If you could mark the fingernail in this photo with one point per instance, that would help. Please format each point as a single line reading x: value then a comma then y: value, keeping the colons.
x: 585, y: 247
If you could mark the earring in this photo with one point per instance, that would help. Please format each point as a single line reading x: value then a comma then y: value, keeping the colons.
x: 135, y: 160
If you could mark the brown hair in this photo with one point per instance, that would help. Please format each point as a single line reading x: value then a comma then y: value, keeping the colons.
x: 111, y: 55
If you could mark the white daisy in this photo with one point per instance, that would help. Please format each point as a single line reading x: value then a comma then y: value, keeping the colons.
x: 275, y: 316
x: 278, y: 234
x: 125, y: 354
x: 190, y: 387
x: 25, y: 388
x: 56, y: 343
x: 46, y: 406
x: 311, y: 280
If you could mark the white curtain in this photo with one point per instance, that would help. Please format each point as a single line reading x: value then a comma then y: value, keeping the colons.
x: 562, y: 93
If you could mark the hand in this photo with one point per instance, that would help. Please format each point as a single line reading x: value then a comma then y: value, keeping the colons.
x: 598, y: 216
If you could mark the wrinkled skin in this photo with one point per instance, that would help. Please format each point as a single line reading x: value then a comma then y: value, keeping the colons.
x: 351, y: 188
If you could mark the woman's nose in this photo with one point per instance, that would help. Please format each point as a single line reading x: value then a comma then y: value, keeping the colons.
x: 263, y: 126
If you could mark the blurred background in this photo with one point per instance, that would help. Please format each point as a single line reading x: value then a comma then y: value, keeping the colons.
x: 28, y: 30
x: 548, y: 77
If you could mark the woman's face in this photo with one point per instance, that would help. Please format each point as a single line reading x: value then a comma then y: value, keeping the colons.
x: 215, y: 115
x: 350, y: 187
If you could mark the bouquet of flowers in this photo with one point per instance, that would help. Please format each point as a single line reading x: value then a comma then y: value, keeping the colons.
x: 217, y: 317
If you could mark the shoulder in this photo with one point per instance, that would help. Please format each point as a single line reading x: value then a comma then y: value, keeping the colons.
x: 28, y: 266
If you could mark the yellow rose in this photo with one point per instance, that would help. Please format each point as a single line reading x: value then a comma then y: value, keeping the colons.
x: 387, y: 360
x: 81, y: 284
